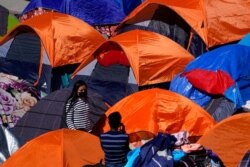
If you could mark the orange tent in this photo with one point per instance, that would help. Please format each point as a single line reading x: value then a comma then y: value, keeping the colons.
x: 154, y: 58
x: 157, y: 110
x: 66, y: 39
x: 64, y: 148
x: 216, y: 21
x: 229, y: 139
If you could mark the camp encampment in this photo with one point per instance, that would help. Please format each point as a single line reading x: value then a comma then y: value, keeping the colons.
x: 196, y: 25
x: 93, y: 12
x: 157, y: 110
x: 222, y: 72
x: 177, y: 71
x: 229, y: 139
x: 62, y: 147
x: 153, y: 59
x: 36, y: 52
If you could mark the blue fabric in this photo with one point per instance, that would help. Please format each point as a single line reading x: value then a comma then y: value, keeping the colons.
x: 94, y: 12
x: 178, y: 154
x: 128, y: 6
x: 112, y: 87
x: 132, y: 155
x: 17, y: 68
x: 233, y: 59
x: 156, y: 152
x: 112, y: 92
x: 245, y: 40
x: 182, y: 86
x: 58, y: 5
x: 235, y: 97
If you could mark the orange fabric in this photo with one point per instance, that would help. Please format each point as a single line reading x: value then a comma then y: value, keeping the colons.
x: 64, y: 147
x: 66, y: 39
x: 216, y: 21
x: 227, y: 21
x: 154, y: 58
x: 40, y: 65
x: 229, y: 139
x: 157, y: 110
x: 190, y: 39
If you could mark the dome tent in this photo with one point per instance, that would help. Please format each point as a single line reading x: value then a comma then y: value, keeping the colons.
x: 143, y: 57
x: 63, y: 147
x: 157, y: 110
x: 229, y: 139
x: 197, y: 25
x: 38, y: 51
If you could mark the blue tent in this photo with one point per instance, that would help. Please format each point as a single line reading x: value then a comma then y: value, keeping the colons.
x: 128, y: 6
x: 232, y: 59
x: 94, y: 12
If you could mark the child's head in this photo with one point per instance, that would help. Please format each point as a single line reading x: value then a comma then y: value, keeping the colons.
x: 114, y: 120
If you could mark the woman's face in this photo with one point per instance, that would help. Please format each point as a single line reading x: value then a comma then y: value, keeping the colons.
x: 82, y: 89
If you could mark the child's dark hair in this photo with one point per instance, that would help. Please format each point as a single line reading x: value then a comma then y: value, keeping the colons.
x: 114, y: 119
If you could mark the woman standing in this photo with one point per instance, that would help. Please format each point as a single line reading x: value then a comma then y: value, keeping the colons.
x: 77, y: 108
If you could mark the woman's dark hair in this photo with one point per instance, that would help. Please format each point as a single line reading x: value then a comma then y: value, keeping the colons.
x: 73, y: 96
x: 114, y: 119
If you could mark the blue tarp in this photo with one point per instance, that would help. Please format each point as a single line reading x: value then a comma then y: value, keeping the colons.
x: 94, y: 12
x: 233, y: 59
x: 129, y: 5
x: 58, y: 5
x: 182, y: 86
x: 245, y: 40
